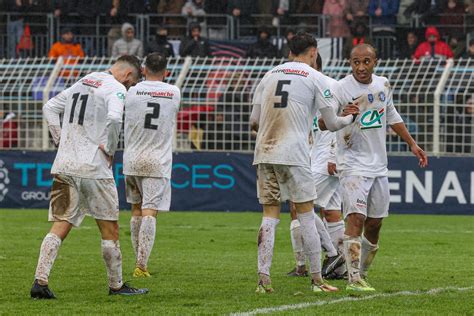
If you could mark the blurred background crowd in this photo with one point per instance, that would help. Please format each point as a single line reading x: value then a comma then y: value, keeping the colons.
x: 252, y: 28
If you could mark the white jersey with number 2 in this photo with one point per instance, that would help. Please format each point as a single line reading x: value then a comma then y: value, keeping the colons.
x: 361, y: 147
x: 150, y: 116
x: 91, y: 111
x: 288, y: 96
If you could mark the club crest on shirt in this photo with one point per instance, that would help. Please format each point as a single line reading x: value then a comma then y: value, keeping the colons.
x: 121, y: 96
x: 372, y: 119
x: 370, y: 97
x: 327, y: 94
x: 382, y: 96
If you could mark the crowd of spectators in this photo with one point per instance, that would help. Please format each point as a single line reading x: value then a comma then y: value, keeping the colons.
x: 356, y: 21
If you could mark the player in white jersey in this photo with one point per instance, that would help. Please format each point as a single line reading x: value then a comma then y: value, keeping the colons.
x: 326, y: 184
x: 83, y: 182
x: 284, y: 104
x: 150, y: 115
x: 362, y: 161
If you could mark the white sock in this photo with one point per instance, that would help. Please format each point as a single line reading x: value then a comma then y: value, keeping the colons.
x: 146, y: 240
x: 367, y: 255
x: 336, y: 231
x: 113, y: 262
x: 312, y: 243
x: 352, y: 255
x: 297, y: 242
x: 326, y: 242
x: 135, y: 223
x: 266, y: 242
x: 48, y: 252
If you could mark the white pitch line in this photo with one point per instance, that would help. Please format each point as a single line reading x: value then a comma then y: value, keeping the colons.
x: 427, y: 231
x: 349, y: 299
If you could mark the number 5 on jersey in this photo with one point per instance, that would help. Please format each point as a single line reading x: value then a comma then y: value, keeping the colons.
x: 281, y: 93
x: 154, y: 115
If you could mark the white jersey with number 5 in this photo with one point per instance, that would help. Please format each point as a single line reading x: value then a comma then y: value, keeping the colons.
x: 91, y: 112
x: 289, y: 96
x: 150, y: 116
x: 361, y: 147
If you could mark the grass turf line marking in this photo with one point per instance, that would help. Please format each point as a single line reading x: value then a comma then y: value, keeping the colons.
x: 283, y: 308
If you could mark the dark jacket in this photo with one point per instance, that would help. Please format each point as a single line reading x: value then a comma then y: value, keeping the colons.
x: 190, y: 47
x: 262, y: 49
x: 216, y: 7
x: 425, y: 10
x: 83, y: 8
x: 247, y: 8
x: 160, y: 45
x: 407, y: 51
x: 22, y: 11
x: 389, y: 12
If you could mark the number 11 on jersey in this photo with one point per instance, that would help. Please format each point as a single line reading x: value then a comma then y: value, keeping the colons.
x: 82, y: 111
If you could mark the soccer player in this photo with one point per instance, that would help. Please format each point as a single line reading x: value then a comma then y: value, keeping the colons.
x: 83, y: 182
x: 327, y: 183
x: 284, y: 104
x: 362, y: 161
x: 150, y: 114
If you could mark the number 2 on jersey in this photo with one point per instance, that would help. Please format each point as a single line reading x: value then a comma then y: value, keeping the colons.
x: 283, y: 94
x: 154, y: 115
x: 82, y: 111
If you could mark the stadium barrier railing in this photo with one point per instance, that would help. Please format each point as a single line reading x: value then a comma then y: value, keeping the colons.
x: 435, y: 98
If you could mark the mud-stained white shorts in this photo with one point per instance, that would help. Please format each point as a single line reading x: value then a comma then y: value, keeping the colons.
x: 72, y: 198
x: 367, y: 196
x: 328, y: 192
x: 280, y: 183
x: 153, y: 193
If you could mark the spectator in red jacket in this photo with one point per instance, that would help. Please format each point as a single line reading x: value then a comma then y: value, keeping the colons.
x: 433, y: 47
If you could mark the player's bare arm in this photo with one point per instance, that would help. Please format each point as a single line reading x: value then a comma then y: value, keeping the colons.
x: 402, y: 131
x: 350, y: 109
x: 110, y: 158
x: 52, y: 111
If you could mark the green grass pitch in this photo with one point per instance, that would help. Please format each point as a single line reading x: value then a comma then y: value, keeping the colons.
x: 205, y: 263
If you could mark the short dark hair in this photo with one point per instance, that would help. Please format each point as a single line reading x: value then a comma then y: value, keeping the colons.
x: 156, y: 62
x: 319, y: 63
x: 301, y: 42
x: 132, y: 61
x: 194, y: 25
x: 471, y: 42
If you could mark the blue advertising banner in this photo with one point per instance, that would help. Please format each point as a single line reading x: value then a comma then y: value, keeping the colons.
x: 226, y: 182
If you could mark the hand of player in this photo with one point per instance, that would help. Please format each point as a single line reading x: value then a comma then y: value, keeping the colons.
x: 351, y: 109
x: 332, y: 168
x: 109, y: 158
x: 421, y: 155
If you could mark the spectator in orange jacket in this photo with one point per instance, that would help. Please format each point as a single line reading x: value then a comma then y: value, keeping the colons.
x: 433, y: 47
x: 66, y: 47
